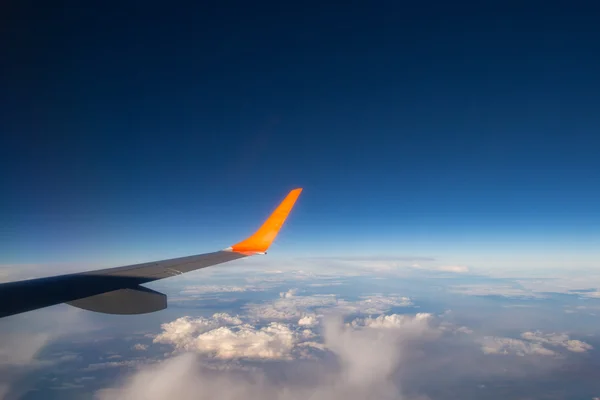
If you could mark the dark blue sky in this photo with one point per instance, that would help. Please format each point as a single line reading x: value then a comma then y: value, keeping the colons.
x: 140, y: 129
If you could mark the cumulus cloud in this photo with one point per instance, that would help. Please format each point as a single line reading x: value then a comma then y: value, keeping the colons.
x: 420, y: 320
x: 140, y: 347
x: 557, y: 340
x: 533, y: 343
x: 367, y: 353
x: 464, y: 329
x: 226, y: 337
x: 289, y: 294
x: 503, y: 345
x: 308, y: 320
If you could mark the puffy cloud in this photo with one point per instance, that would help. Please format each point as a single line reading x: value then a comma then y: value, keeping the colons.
x: 226, y: 337
x: 464, y: 329
x: 308, y: 320
x: 558, y: 340
x: 532, y: 343
x: 289, y: 294
x: 290, y: 307
x: 395, y: 321
x: 140, y: 347
x: 503, y: 345
x: 183, y: 328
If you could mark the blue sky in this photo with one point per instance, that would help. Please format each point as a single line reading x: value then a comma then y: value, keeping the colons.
x: 466, y: 132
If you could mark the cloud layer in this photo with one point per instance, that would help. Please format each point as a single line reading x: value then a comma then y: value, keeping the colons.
x: 366, y: 354
x: 292, y: 306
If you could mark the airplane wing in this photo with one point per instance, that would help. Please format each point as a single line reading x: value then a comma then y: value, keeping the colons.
x: 118, y: 290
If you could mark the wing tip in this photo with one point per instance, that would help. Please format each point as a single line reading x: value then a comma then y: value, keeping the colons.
x: 261, y: 240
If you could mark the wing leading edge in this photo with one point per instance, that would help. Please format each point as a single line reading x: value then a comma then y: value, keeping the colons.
x: 118, y: 291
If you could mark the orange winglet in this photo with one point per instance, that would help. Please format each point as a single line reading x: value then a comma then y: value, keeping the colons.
x: 260, y: 241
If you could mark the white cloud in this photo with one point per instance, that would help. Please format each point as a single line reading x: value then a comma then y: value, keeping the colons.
x: 375, y: 304
x: 308, y: 320
x: 503, y: 345
x: 184, y: 327
x: 226, y: 337
x: 140, y: 347
x: 532, y: 343
x: 289, y: 294
x: 394, y: 321
x: 459, y: 269
x: 290, y: 306
x: 557, y: 339
x: 465, y: 330
x: 205, y: 289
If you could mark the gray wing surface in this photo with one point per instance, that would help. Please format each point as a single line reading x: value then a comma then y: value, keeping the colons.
x: 98, y: 286
x: 118, y: 290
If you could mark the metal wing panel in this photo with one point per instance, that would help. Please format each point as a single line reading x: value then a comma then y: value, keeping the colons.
x: 148, y: 272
